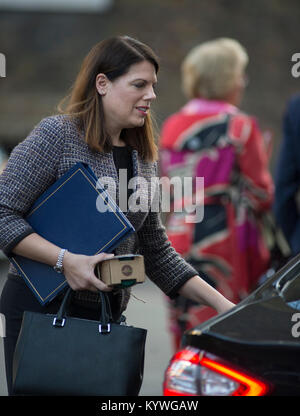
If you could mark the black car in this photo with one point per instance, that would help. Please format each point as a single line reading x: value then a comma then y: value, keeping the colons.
x: 252, y: 350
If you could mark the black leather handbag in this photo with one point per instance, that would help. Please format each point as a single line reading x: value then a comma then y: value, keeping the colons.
x: 61, y: 355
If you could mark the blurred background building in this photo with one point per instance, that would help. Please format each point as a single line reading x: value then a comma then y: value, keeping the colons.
x: 45, y: 41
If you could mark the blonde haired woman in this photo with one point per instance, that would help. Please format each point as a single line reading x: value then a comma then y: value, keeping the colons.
x: 215, y: 70
x: 211, y: 138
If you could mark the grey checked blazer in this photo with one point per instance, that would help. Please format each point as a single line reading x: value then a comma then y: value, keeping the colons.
x: 53, y: 147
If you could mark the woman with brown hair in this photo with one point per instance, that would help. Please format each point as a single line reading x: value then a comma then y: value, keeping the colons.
x: 106, y: 124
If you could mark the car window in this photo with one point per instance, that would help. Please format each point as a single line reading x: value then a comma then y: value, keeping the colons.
x: 291, y: 292
x: 295, y: 304
x: 276, y: 283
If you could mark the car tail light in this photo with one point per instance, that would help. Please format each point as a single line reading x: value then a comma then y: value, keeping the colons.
x: 194, y: 373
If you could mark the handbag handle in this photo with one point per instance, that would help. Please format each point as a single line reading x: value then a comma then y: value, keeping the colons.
x: 105, y: 313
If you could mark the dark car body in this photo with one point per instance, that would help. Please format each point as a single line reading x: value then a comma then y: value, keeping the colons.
x: 259, y: 339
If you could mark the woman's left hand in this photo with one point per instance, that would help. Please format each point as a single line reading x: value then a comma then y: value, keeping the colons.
x: 201, y: 292
x: 224, y: 306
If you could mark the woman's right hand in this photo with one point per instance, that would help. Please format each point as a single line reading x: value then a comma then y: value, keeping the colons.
x: 79, y: 271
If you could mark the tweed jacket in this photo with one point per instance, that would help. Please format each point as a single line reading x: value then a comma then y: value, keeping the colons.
x: 52, y: 148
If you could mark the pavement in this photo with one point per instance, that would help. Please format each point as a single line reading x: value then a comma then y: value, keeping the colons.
x: 148, y: 311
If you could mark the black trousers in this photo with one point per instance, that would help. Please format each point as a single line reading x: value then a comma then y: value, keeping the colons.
x: 15, y: 299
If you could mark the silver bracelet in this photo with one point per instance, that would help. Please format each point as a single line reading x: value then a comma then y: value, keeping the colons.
x: 59, y: 264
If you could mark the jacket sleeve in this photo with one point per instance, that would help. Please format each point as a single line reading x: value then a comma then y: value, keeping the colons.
x: 164, y: 266
x: 30, y: 170
x: 287, y: 176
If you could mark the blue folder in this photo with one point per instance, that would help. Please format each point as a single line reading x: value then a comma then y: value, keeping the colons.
x: 75, y: 213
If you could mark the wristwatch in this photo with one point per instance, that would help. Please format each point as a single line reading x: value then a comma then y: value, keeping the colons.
x: 59, y: 264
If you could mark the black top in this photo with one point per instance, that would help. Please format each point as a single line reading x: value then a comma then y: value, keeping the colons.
x: 123, y: 160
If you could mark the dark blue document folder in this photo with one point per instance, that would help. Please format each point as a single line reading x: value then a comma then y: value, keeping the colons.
x: 75, y: 213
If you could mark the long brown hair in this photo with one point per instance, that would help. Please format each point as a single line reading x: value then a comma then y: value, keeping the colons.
x: 112, y: 57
